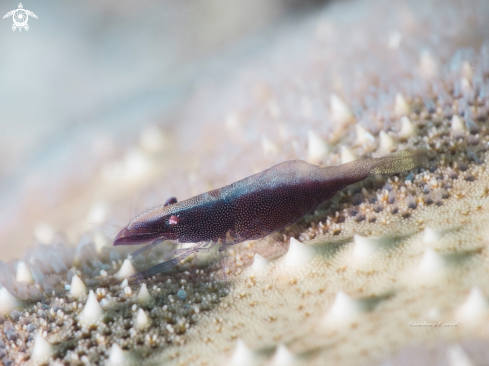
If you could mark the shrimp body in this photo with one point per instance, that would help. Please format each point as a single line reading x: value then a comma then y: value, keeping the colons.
x: 254, y: 206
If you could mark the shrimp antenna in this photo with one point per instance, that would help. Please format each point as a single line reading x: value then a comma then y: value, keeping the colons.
x: 115, y: 228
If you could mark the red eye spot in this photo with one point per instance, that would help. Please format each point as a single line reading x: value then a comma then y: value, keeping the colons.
x: 173, y: 220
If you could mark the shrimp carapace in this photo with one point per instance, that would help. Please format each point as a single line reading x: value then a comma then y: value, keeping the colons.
x: 254, y: 206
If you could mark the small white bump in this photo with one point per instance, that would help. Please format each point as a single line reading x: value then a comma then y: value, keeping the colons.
x: 124, y: 283
x: 283, y: 357
x: 42, y: 350
x: 431, y: 262
x: 340, y: 111
x: 474, y: 307
x: 7, y: 301
x: 77, y: 287
x: 23, y: 274
x: 386, y: 142
x: 401, y: 108
x: 298, y: 253
x: 242, y: 355
x: 142, y: 320
x: 344, y: 308
x: 92, y: 311
x: 431, y: 236
x: 259, y: 263
x: 363, y: 136
x: 457, y: 124
x: 365, y: 247
x: 116, y: 356
x: 458, y: 357
x: 317, y: 148
x: 346, y: 155
x: 143, y: 294
x: 407, y: 128
x: 127, y: 270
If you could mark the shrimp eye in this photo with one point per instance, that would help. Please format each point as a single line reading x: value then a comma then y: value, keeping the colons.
x: 173, y: 220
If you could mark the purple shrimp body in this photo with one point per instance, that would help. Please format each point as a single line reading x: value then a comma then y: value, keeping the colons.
x: 252, y: 207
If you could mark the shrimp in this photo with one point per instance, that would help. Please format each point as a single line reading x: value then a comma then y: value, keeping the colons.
x: 253, y: 207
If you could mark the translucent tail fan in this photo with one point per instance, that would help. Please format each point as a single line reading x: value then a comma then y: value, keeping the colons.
x: 398, y: 162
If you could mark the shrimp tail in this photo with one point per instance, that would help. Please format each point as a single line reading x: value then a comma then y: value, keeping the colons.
x: 398, y: 162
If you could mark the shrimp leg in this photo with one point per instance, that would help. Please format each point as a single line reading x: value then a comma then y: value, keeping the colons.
x: 182, y: 254
x: 162, y: 267
x: 146, y: 248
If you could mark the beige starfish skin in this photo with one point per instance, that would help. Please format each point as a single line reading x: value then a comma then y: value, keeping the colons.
x: 394, y: 268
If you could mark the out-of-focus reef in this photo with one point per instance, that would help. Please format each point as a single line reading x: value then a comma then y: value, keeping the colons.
x: 393, y: 269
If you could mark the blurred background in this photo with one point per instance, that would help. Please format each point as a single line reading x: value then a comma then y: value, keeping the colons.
x: 108, y: 107
x: 94, y: 87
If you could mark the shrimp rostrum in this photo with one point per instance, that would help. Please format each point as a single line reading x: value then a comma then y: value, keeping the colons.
x: 253, y: 207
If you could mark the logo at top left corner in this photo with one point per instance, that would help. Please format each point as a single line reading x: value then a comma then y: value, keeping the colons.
x: 20, y: 17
